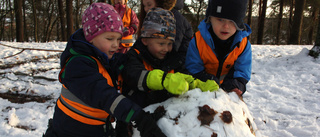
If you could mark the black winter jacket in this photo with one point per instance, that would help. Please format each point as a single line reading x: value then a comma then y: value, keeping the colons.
x: 183, y: 29
x: 83, y: 79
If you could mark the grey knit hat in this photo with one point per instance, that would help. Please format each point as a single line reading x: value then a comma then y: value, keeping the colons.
x: 159, y: 23
x: 234, y: 10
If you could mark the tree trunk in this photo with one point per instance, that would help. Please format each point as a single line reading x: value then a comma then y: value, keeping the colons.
x: 35, y: 21
x: 62, y: 20
x: 279, y: 23
x: 249, y: 21
x: 315, y: 51
x: 295, y: 35
x: 51, y: 21
x: 69, y: 18
x: 11, y: 22
x: 262, y: 17
x: 26, y: 35
x: 314, y: 13
x: 290, y: 20
x: 77, y: 23
x: 19, y: 20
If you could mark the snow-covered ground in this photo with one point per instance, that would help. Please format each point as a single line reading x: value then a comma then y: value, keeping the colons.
x: 282, y: 95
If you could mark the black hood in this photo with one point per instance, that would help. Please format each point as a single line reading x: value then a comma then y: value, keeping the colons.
x: 179, y: 4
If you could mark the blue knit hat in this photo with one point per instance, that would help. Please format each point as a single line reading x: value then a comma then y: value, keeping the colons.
x: 234, y: 10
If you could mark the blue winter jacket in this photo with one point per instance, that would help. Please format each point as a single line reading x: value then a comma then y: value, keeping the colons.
x: 240, y: 74
x: 83, y: 79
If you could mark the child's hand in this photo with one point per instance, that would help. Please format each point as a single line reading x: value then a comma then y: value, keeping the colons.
x: 209, y: 85
x: 175, y: 84
x: 147, y: 125
x: 172, y: 82
x: 238, y: 91
x: 190, y: 79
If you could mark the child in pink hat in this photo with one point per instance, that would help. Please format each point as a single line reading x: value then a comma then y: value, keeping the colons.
x: 89, y: 97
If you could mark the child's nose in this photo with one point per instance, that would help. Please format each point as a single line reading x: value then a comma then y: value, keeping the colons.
x: 166, y: 48
x: 115, y: 44
x: 226, y: 25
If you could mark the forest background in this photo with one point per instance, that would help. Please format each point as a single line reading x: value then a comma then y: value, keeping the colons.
x: 273, y: 22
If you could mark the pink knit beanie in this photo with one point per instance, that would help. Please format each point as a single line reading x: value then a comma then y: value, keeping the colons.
x: 99, y: 18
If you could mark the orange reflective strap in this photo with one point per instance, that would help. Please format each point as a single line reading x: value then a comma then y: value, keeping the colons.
x: 98, y: 113
x: 104, y: 72
x: 78, y: 117
x: 128, y: 40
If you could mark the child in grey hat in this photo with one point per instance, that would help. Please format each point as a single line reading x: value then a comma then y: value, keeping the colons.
x: 154, y: 71
x: 220, y: 50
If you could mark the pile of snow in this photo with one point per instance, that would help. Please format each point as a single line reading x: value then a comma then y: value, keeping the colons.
x: 205, y: 114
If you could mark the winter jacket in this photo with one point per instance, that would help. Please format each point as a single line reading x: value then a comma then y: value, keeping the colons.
x: 83, y: 80
x: 183, y: 29
x: 239, y: 71
x: 135, y: 73
x: 130, y: 21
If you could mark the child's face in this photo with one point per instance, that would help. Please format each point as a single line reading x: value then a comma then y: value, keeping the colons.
x: 121, y: 2
x: 148, y: 4
x: 107, y: 42
x: 223, y: 28
x: 158, y: 47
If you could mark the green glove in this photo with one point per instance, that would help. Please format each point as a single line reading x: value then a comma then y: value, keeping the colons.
x: 190, y: 79
x: 173, y: 82
x: 209, y: 85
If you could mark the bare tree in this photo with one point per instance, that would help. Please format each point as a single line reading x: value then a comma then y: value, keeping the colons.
x: 35, y: 21
x: 77, y: 14
x: 249, y: 19
x: 69, y: 18
x: 279, y: 22
x: 290, y: 19
x: 315, y: 51
x: 295, y: 35
x: 19, y: 20
x: 62, y: 20
x: 26, y: 35
x: 262, y: 17
x: 315, y: 12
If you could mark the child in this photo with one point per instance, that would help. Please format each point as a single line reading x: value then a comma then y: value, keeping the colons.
x: 151, y: 74
x: 88, y: 97
x: 183, y: 27
x: 130, y: 23
x: 220, y: 50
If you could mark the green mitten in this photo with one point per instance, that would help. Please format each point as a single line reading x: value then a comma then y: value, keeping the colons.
x: 175, y: 84
x: 154, y: 79
x: 190, y: 79
x: 209, y: 85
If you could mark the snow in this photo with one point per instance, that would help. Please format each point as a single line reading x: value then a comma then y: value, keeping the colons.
x: 282, y: 96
